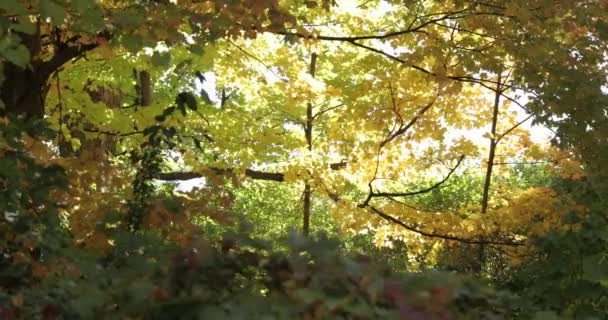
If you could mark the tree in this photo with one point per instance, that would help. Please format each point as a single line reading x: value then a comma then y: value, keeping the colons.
x: 40, y: 37
x: 369, y: 108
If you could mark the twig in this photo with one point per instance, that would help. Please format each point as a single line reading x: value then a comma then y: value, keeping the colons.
x: 513, y: 128
x: 394, y: 220
x: 413, y: 193
x: 258, y: 60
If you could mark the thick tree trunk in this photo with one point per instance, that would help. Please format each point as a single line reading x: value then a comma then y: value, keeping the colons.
x: 24, y: 89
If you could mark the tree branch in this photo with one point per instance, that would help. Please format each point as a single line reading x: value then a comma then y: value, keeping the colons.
x: 403, y: 129
x: 111, y: 133
x: 258, y: 60
x: 320, y: 113
x: 394, y: 220
x: 513, y: 128
x: 63, y: 56
x: 253, y: 174
x: 422, y: 191
x: 418, y: 28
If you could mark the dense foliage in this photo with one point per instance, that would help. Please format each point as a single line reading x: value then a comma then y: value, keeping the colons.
x: 220, y: 159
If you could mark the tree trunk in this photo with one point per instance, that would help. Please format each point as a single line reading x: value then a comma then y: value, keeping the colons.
x: 308, y: 134
x: 492, y: 153
x: 24, y: 89
x: 478, y: 267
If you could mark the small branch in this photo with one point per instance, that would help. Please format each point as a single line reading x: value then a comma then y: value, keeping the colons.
x: 258, y: 60
x: 413, y: 193
x: 411, y: 206
x: 513, y: 128
x: 411, y: 29
x: 404, y: 128
x: 388, y: 55
x: 320, y: 113
x: 60, y: 105
x: 483, y: 82
x: 394, y: 109
x: 554, y: 161
x: 465, y: 31
x: 67, y: 53
x: 116, y: 134
x: 394, y: 220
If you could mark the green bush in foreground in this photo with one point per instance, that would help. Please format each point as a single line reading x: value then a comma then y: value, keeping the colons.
x: 239, y: 278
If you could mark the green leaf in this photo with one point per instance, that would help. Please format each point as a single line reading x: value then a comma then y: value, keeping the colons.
x: 128, y: 18
x: 5, y: 25
x: 132, y: 43
x: 19, y: 55
x: 91, y: 20
x: 161, y: 59
x: 13, y: 7
x: 25, y: 25
x: 308, y: 296
x: 87, y: 302
x: 50, y: 9
x: 197, y: 49
x: 83, y: 5
x: 545, y: 315
x: 595, y: 268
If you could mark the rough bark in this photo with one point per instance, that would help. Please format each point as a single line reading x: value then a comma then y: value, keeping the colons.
x: 25, y: 88
x: 145, y: 83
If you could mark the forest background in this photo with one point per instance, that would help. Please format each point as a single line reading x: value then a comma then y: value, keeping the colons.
x: 354, y: 159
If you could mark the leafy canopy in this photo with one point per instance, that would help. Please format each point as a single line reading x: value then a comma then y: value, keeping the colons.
x: 461, y: 135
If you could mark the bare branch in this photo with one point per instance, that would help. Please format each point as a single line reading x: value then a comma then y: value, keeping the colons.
x: 422, y: 191
x: 513, y: 128
x: 417, y: 230
x: 554, y: 161
x: 258, y: 60
x: 320, y: 113
x: 411, y: 29
x: 404, y: 128
x: 65, y: 53
x: 115, y: 134
x: 253, y: 174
